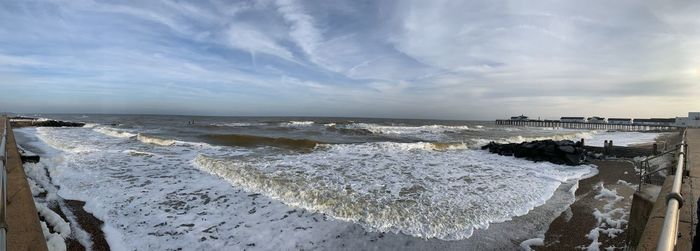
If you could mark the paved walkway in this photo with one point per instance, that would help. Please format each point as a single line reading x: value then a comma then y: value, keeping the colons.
x: 690, y: 190
x: 24, y: 231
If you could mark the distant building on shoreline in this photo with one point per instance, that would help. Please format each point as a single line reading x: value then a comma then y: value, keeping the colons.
x: 522, y: 117
x: 620, y: 121
x: 572, y: 119
x: 693, y: 120
x: 596, y: 119
x: 655, y: 121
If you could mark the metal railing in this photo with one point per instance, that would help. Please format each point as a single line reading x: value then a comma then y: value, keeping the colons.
x: 674, y: 201
x: 3, y: 188
x: 646, y: 173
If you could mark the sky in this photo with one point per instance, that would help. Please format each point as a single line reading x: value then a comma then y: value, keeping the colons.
x: 400, y: 59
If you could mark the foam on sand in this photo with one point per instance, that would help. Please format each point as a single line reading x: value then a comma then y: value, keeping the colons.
x: 52, y: 218
x: 54, y: 241
x: 527, y: 244
x: 611, y: 219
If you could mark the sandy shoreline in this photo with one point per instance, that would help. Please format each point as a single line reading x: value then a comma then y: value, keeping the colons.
x: 569, y: 231
x: 572, y: 230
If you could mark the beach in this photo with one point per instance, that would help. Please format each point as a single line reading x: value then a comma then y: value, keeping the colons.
x: 196, y: 194
x: 601, y: 200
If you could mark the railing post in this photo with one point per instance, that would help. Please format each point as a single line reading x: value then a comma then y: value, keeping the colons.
x: 3, y: 186
x: 674, y: 201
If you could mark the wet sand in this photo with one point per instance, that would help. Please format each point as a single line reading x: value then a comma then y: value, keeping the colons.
x: 90, y: 224
x: 571, y: 229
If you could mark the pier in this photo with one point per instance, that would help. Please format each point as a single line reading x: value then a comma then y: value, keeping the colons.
x: 587, y: 125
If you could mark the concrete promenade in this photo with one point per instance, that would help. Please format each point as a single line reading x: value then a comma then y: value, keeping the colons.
x: 690, y: 190
x: 24, y: 231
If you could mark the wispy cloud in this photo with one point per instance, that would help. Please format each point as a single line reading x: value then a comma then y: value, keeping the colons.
x: 445, y: 59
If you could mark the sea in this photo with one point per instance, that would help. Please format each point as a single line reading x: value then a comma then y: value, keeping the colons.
x: 278, y: 183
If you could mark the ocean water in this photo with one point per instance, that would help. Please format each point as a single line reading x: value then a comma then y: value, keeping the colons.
x: 167, y: 182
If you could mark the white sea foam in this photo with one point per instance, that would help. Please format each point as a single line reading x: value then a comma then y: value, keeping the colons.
x: 54, y: 241
x: 611, y: 219
x: 527, y: 244
x: 297, y: 123
x: 401, y: 187
x: 52, y: 218
x: 563, y: 135
x: 621, y: 138
x: 114, y: 132
x: 148, y: 139
x: 238, y: 124
x: 34, y: 187
x: 425, y: 132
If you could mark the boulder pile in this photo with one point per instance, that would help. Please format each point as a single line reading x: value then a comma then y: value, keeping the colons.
x: 559, y: 152
x: 45, y: 123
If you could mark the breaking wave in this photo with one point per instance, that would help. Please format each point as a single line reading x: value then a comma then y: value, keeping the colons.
x: 348, y: 131
x: 518, y: 139
x: 238, y: 124
x: 384, y: 129
x: 297, y: 123
x: 114, y: 132
x: 149, y: 139
x: 411, y: 188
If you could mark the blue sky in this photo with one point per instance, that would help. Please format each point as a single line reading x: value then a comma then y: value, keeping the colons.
x: 409, y: 59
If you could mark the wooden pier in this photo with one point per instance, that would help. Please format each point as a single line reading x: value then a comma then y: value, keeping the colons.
x: 586, y: 125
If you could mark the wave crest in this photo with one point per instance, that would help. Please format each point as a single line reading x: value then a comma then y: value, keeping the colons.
x: 114, y: 132
x: 149, y: 139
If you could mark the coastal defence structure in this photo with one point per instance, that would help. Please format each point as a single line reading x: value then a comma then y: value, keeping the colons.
x: 23, y: 230
x: 670, y: 222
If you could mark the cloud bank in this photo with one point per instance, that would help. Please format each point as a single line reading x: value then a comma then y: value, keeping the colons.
x: 410, y: 59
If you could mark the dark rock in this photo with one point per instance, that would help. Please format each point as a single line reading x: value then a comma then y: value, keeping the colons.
x: 45, y: 123
x: 27, y: 156
x: 558, y: 152
x: 567, y: 149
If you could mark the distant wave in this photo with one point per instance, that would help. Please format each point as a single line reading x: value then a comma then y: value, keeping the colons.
x: 518, y: 139
x: 239, y: 124
x: 114, y: 132
x: 294, y: 123
x: 149, y: 139
x: 348, y: 131
x: 396, y: 129
x: 254, y: 141
x: 139, y: 153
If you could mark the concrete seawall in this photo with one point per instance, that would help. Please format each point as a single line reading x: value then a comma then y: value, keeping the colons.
x: 24, y: 231
x: 690, y: 190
